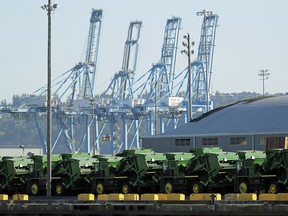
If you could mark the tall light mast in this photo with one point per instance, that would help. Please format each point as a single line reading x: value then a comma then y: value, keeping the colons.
x: 49, y: 8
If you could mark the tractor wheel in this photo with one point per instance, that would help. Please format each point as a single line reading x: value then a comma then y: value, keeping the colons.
x: 125, y: 188
x: 243, y: 187
x: 168, y: 187
x: 34, y: 189
x: 273, y: 187
x: 99, y: 188
x: 59, y: 189
x: 197, y: 187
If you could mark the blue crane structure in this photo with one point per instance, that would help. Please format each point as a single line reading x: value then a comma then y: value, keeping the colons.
x: 80, y: 79
x: 130, y: 107
x: 120, y: 92
x: 201, y: 79
x: 159, y: 83
x: 202, y: 66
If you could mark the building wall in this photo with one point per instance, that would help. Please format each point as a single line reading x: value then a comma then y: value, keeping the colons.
x: 20, y: 151
x: 165, y: 145
x: 227, y: 143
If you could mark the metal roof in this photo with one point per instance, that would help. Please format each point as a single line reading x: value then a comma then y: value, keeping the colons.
x: 265, y: 115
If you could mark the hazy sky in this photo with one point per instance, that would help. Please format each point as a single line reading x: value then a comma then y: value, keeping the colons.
x: 252, y: 35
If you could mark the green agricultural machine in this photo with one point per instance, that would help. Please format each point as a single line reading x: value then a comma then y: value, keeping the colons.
x: 174, y: 177
x: 211, y: 170
x: 250, y: 175
x: 144, y: 169
x: 22, y: 174
x: 276, y: 170
x: 104, y: 178
x: 69, y: 173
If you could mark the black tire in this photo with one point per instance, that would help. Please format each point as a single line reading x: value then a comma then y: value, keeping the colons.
x: 274, y: 187
x: 197, y: 187
x: 34, y: 189
x: 125, y: 187
x: 99, y: 188
x: 59, y: 189
x: 168, y: 187
x: 243, y: 186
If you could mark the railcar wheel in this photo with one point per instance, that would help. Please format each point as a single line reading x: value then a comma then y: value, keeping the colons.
x: 99, y: 188
x: 34, y: 188
x: 197, y: 187
x: 168, y: 188
x: 243, y: 187
x: 59, y: 189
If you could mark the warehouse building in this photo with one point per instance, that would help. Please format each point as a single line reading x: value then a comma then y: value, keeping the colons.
x: 254, y: 124
x: 19, y: 151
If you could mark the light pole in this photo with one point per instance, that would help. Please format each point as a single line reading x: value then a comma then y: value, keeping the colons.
x: 23, y: 149
x: 155, y: 104
x: 188, y: 52
x: 206, y: 13
x: 264, y: 76
x: 18, y: 132
x: 49, y: 8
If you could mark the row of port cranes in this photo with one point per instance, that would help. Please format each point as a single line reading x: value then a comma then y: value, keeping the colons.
x: 131, y: 106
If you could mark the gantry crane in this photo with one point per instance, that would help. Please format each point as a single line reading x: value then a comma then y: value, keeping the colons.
x: 154, y: 93
x: 81, y: 79
x: 202, y: 66
x: 120, y: 91
x: 120, y: 87
x: 201, y: 70
x: 154, y: 98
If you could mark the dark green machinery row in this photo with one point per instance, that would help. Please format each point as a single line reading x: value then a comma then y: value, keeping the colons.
x: 145, y: 171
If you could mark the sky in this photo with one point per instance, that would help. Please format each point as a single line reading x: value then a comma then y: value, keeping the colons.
x: 252, y: 36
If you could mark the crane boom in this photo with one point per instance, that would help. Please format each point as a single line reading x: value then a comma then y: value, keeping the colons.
x: 122, y: 81
x: 204, y: 61
x: 87, y: 87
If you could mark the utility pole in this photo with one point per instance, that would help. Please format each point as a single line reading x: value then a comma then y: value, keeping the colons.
x: 155, y: 105
x: 206, y: 13
x: 49, y: 8
x: 264, y: 76
x: 188, y: 52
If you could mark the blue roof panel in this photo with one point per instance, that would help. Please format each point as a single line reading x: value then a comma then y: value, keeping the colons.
x: 260, y: 115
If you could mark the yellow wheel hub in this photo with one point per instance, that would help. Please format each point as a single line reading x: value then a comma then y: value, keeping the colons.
x: 34, y: 189
x: 168, y: 187
x: 100, y: 188
x: 273, y: 188
x: 243, y: 187
x: 195, y: 188
x: 125, y: 189
x: 59, y: 189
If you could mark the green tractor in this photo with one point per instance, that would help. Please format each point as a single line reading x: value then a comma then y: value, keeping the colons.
x: 143, y: 168
x: 250, y: 176
x: 174, y: 176
x: 22, y: 175
x: 211, y: 170
x: 276, y: 171
x: 104, y: 178
x: 70, y: 174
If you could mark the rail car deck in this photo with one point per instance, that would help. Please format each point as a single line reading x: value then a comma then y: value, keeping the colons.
x: 70, y: 206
